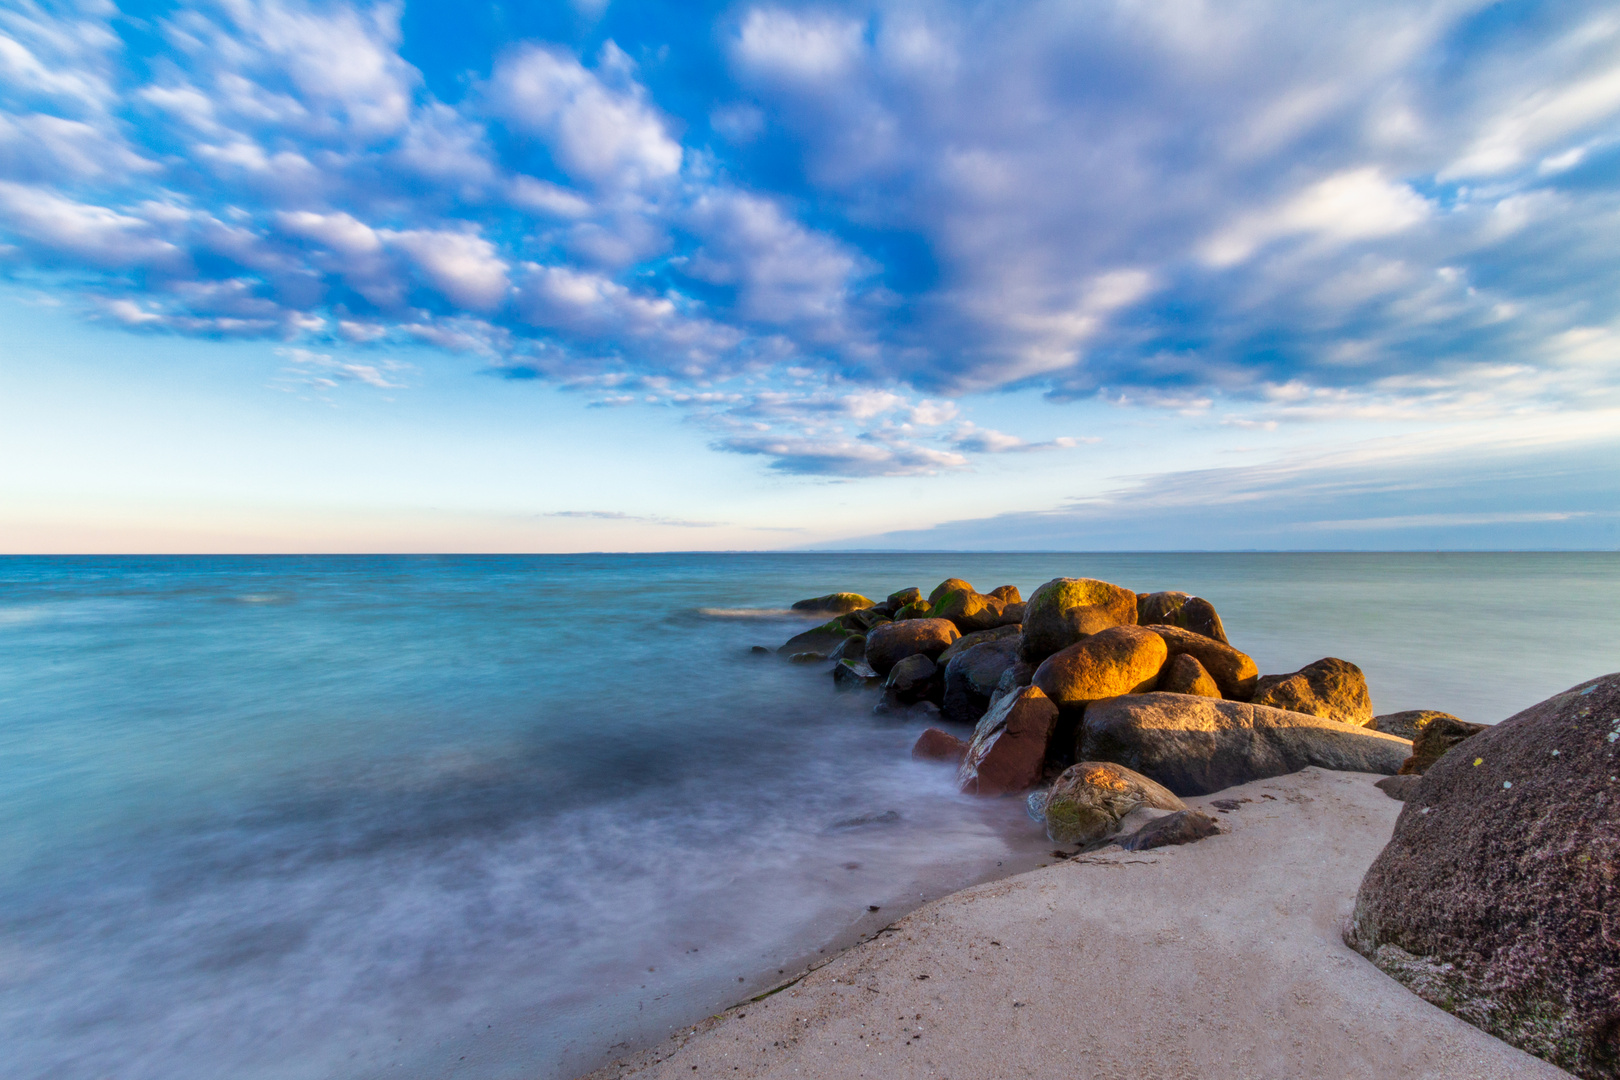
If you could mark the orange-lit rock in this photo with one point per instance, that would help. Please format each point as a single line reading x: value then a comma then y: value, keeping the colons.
x: 1330, y: 687
x: 1118, y: 660
x: 1185, y: 675
x: 1008, y: 751
x: 889, y: 643
x: 1234, y: 672
x: 1086, y: 803
x: 1067, y: 610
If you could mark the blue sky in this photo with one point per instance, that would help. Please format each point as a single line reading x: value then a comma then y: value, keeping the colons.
x: 451, y: 276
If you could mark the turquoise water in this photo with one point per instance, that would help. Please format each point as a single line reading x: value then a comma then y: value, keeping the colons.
x: 336, y: 817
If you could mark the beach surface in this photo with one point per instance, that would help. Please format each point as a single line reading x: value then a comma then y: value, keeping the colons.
x: 1220, y: 959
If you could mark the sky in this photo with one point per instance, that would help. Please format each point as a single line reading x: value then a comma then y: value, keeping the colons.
x: 603, y: 275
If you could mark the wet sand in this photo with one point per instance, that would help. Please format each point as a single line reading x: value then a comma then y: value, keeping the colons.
x: 1219, y: 959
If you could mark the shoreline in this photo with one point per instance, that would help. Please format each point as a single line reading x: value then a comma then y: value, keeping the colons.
x: 1221, y: 958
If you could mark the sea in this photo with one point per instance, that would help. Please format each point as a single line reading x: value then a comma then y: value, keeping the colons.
x: 492, y: 817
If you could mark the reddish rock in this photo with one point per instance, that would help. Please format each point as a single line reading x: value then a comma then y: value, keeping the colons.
x: 1434, y: 739
x: 1498, y: 896
x: 1234, y: 672
x: 1119, y: 660
x: 1067, y: 610
x: 1008, y: 752
x: 937, y: 745
x: 889, y: 643
x: 1330, y: 687
x: 1185, y: 675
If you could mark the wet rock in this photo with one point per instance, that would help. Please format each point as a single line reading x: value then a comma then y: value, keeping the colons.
x: 1008, y: 751
x: 759, y: 650
x: 978, y: 637
x: 889, y: 643
x: 1016, y: 676
x: 862, y: 821
x: 1178, y: 609
x: 1067, y: 610
x: 1408, y: 724
x: 921, y: 609
x: 1185, y: 675
x: 1498, y: 896
x: 1088, y: 801
x: 949, y: 585
x: 1330, y: 687
x: 807, y: 658
x: 937, y: 745
x: 1118, y: 660
x: 912, y: 679
x: 1196, y: 745
x: 851, y: 648
x: 1182, y: 827
x: 1234, y: 672
x: 822, y: 639
x: 859, y: 622
x: 855, y: 675
x: 1434, y: 739
x: 972, y: 675
x: 1399, y: 788
x: 834, y: 603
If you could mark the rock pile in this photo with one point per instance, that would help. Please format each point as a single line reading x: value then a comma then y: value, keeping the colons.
x: 1107, y: 702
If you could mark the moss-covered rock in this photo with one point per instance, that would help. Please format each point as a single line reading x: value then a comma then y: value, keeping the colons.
x: 970, y: 611
x: 1087, y: 802
x: 1067, y: 610
x: 822, y: 639
x: 950, y: 584
x: 833, y: 603
x: 1407, y: 724
x: 919, y: 609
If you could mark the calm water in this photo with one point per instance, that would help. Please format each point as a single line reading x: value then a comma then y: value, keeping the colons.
x: 488, y: 817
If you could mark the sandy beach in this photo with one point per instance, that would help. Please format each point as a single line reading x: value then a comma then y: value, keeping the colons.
x: 1219, y: 959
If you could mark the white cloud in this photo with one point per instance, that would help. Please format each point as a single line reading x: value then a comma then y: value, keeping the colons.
x: 96, y: 234
x: 814, y: 47
x: 1358, y: 204
x: 462, y: 266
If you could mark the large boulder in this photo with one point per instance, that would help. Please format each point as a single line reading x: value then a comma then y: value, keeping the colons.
x: 836, y: 603
x: 1498, y: 896
x: 970, y: 611
x: 889, y: 643
x: 912, y: 679
x: 979, y: 637
x: 949, y: 585
x: 822, y: 639
x: 1086, y: 803
x: 1330, y: 687
x: 902, y: 597
x: 1196, y: 745
x: 1118, y: 660
x: 1434, y: 739
x: 1234, y: 672
x: 1407, y: 724
x: 1067, y: 610
x: 1185, y: 675
x: 917, y: 609
x: 1007, y: 594
x: 1178, y: 609
x: 972, y: 675
x: 1008, y: 751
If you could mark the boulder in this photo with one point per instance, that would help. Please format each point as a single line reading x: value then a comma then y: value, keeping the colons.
x: 807, y: 658
x: 1012, y: 614
x: 1330, y: 687
x: 1067, y: 610
x: 859, y: 622
x: 921, y: 609
x: 1178, y: 609
x: 1086, y: 803
x: 937, y: 745
x: 1407, y: 724
x: 972, y: 675
x: 979, y: 637
x: 834, y: 603
x: 823, y: 639
x: 1196, y: 745
x: 970, y: 611
x: 890, y: 643
x: 1008, y: 751
x: 1498, y: 896
x: 854, y: 675
x: 1016, y: 676
x: 1182, y: 827
x: 949, y: 585
x: 1007, y: 594
x: 903, y: 597
x: 1234, y: 672
x: 1436, y: 737
x: 851, y: 648
x: 912, y: 679
x: 1118, y: 660
x: 1185, y: 675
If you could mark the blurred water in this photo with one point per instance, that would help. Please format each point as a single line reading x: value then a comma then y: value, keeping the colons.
x: 330, y: 817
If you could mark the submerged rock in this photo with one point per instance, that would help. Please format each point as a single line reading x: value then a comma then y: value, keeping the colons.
x: 807, y: 658
x: 937, y: 745
x: 1067, y: 610
x: 1008, y: 751
x: 1182, y: 827
x: 1185, y: 675
x: 834, y: 603
x: 1498, y: 896
x: 1118, y: 660
x: 1089, y: 800
x: 822, y: 639
x: 1178, y: 609
x: 1195, y: 745
x: 1330, y: 687
x: 1434, y: 740
x: 1234, y: 672
x: 889, y: 643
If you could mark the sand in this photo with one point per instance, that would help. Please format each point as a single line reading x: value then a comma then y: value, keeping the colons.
x: 1221, y: 959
